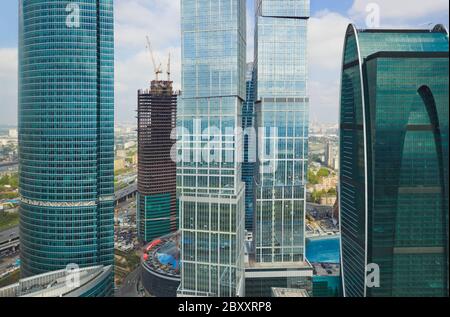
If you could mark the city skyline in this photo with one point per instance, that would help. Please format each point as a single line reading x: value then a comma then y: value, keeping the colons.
x: 228, y: 181
x: 134, y: 19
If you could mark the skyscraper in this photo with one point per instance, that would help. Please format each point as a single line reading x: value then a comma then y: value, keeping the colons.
x: 282, y: 118
x: 66, y: 134
x: 394, y: 162
x: 282, y: 110
x: 329, y: 154
x: 250, y: 138
x: 156, y: 198
x: 211, y: 192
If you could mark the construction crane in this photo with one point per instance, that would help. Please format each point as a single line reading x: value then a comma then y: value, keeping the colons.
x: 168, y: 69
x: 157, y: 69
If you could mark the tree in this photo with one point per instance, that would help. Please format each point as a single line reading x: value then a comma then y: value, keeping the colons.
x: 312, y: 178
x: 332, y: 192
x: 323, y: 172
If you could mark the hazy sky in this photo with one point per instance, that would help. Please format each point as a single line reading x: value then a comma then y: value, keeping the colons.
x: 134, y: 19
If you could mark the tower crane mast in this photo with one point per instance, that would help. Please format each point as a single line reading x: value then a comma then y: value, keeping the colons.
x: 157, y: 69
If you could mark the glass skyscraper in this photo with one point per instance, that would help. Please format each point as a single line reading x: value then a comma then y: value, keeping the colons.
x: 250, y: 138
x: 209, y: 177
x: 282, y: 118
x: 66, y: 134
x: 394, y: 162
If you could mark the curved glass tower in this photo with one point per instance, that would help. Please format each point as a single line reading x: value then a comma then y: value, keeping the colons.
x: 66, y: 134
x: 394, y: 162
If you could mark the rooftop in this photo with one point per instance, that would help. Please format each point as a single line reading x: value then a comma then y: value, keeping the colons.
x: 289, y: 292
x: 54, y: 284
x: 326, y: 269
x: 162, y: 255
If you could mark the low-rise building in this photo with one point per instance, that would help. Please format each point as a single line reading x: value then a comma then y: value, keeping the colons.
x: 261, y: 278
x: 86, y: 282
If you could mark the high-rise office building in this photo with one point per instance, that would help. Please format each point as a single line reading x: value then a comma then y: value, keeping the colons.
x: 329, y: 156
x: 394, y: 162
x: 281, y: 104
x: 66, y: 134
x: 156, y: 198
x: 209, y: 177
x: 250, y: 138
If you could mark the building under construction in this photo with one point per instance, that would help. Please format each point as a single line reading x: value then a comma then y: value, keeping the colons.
x: 156, y: 200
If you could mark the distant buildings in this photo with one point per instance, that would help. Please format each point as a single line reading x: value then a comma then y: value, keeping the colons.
x: 88, y: 282
x: 209, y: 174
x: 156, y: 199
x: 331, y: 157
x: 66, y: 135
x: 328, y: 154
x: 394, y: 162
x: 13, y: 133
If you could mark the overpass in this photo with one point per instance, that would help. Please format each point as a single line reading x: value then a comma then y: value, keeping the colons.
x: 9, y: 239
x: 125, y: 193
x: 121, y: 195
x: 7, y: 164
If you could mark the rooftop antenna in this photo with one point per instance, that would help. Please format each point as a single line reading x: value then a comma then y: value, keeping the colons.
x: 157, y: 69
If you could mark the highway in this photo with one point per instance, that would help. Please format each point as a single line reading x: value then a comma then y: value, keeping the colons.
x: 121, y: 194
x: 129, y: 287
x: 5, y: 244
x: 7, y: 164
x: 9, y: 234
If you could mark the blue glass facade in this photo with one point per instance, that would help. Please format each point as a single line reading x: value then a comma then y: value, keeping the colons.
x: 282, y: 114
x: 66, y: 134
x: 249, y: 130
x: 209, y: 169
x: 394, y: 161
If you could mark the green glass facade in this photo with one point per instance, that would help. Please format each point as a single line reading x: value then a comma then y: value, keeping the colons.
x: 154, y: 213
x: 327, y: 286
x: 394, y: 161
x: 66, y: 134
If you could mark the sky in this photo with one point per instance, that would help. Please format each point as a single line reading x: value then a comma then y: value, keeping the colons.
x: 160, y: 20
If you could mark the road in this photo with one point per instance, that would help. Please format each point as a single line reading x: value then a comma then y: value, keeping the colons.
x: 4, y: 237
x: 9, y: 234
x: 129, y: 287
